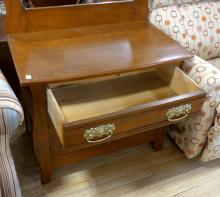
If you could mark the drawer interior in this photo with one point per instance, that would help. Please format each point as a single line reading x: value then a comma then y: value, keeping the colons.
x: 88, y: 100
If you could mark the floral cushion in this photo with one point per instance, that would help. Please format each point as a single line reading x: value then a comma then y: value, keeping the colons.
x: 191, y: 134
x: 196, y: 26
x: 202, y: 25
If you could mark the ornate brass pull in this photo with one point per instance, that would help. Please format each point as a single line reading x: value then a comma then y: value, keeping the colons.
x: 178, y: 113
x: 100, y: 133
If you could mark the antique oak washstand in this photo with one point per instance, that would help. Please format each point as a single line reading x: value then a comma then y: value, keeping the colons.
x: 96, y: 78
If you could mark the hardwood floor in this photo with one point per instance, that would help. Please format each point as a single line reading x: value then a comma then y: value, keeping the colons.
x: 133, y: 172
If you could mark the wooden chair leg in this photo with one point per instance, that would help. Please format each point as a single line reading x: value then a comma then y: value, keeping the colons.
x: 159, y: 139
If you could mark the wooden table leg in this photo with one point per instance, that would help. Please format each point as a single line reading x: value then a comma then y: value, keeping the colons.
x: 159, y: 139
x: 41, y: 132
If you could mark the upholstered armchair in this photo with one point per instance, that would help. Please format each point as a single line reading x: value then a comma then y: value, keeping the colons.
x: 195, y: 24
x: 11, y: 116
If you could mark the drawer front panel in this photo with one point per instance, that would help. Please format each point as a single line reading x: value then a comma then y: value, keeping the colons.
x: 122, y: 126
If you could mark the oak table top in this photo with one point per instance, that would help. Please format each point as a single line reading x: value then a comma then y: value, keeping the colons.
x: 87, y: 52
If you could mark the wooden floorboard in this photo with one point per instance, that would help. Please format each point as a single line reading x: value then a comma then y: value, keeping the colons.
x: 133, y: 172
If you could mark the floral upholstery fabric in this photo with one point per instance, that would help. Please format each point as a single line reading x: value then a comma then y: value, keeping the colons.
x: 196, y: 26
x: 202, y: 25
x: 191, y: 134
x: 169, y: 20
x: 212, y: 148
x: 11, y: 116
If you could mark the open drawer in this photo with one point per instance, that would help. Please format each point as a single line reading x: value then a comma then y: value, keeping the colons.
x: 95, y: 112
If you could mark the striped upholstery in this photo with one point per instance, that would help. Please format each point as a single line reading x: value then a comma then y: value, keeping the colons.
x: 2, y: 8
x: 11, y: 115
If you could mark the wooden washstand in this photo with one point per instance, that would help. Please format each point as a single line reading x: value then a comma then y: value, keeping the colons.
x: 96, y: 78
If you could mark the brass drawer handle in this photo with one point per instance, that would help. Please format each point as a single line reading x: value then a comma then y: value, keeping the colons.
x: 99, y: 134
x: 178, y: 113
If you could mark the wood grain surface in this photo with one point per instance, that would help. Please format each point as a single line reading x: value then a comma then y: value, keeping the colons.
x: 92, y: 52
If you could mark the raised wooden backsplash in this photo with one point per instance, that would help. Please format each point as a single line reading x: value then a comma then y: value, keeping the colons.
x: 20, y: 19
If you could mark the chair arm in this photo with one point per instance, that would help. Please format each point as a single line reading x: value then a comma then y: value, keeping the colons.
x: 204, y: 74
x: 10, y: 105
x: 191, y: 134
x: 9, y: 184
x: 207, y: 77
x: 11, y: 115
